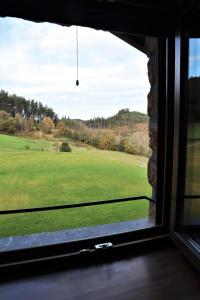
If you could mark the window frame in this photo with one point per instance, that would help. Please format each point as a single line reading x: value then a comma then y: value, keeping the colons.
x: 177, y: 233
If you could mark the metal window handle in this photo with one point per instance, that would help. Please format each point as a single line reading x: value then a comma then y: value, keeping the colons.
x: 103, y: 246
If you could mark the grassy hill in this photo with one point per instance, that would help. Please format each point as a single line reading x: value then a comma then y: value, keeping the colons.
x: 124, y: 117
x: 33, y: 174
x: 13, y: 143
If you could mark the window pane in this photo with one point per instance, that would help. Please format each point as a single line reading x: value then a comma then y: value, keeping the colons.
x: 192, y: 184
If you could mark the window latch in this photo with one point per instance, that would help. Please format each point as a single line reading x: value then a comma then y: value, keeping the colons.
x: 103, y: 246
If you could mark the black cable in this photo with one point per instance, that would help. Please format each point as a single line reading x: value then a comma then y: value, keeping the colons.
x: 77, y: 81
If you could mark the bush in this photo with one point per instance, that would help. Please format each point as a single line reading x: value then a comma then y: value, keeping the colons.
x: 65, y: 147
x: 94, y: 141
x: 107, y: 141
x: 120, y: 146
x: 130, y: 147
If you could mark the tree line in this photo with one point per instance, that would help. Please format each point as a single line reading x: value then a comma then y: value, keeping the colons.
x: 124, y: 117
x: 13, y: 104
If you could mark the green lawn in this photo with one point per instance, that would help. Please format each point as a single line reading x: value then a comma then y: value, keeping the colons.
x: 193, y: 131
x: 192, y: 186
x: 13, y: 143
x: 193, y: 168
x: 33, y: 174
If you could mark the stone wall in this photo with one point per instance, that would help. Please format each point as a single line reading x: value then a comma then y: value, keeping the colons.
x: 151, y: 49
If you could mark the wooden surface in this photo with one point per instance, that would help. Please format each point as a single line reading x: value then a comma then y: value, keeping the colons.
x: 164, y: 274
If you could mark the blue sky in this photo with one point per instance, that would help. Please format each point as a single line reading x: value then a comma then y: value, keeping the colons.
x: 194, y: 57
x: 38, y: 61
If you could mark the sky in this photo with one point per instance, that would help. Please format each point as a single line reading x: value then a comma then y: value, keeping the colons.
x: 38, y: 61
x: 194, y: 57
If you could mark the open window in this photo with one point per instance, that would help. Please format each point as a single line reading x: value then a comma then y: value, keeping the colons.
x: 188, y: 208
x: 115, y: 189
x: 185, y: 217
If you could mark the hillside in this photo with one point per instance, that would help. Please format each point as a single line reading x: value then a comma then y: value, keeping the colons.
x: 13, y: 143
x: 127, y: 131
x: 124, y: 117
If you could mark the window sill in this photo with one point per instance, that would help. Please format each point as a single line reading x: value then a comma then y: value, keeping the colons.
x: 57, y: 237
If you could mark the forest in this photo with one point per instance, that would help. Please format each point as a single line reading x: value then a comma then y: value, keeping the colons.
x: 13, y: 104
x: 124, y: 117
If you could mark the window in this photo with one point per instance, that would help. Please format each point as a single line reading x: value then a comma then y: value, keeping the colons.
x: 191, y: 217
x: 111, y: 185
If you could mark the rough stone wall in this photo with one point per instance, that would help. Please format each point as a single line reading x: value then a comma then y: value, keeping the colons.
x: 151, y: 49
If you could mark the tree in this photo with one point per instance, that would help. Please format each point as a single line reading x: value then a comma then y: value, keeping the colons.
x: 20, y: 122
x: 3, y: 118
x: 13, y: 104
x: 47, y: 125
x: 28, y: 124
x: 61, y: 128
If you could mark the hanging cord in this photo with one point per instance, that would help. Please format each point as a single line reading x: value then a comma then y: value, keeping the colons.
x: 77, y: 81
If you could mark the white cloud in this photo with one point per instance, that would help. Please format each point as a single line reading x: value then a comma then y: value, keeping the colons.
x: 37, y: 61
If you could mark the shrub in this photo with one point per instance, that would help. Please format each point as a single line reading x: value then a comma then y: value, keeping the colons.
x: 94, y: 141
x: 107, y: 141
x: 130, y: 147
x: 120, y: 146
x: 74, y: 135
x: 65, y: 147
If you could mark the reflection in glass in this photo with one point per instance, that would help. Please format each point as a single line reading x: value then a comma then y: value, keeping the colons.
x: 192, y: 184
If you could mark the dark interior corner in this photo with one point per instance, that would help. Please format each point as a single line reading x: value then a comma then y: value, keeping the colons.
x: 159, y: 262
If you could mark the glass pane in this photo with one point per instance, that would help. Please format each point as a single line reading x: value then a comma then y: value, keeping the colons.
x: 192, y: 184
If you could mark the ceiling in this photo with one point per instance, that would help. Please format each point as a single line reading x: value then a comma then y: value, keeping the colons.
x: 150, y: 17
x: 130, y: 20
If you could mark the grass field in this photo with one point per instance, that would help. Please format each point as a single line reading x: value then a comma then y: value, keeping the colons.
x: 193, y: 131
x: 192, y: 186
x: 33, y: 174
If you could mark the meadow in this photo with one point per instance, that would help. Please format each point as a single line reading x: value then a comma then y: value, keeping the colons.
x: 192, y: 186
x: 34, y: 174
